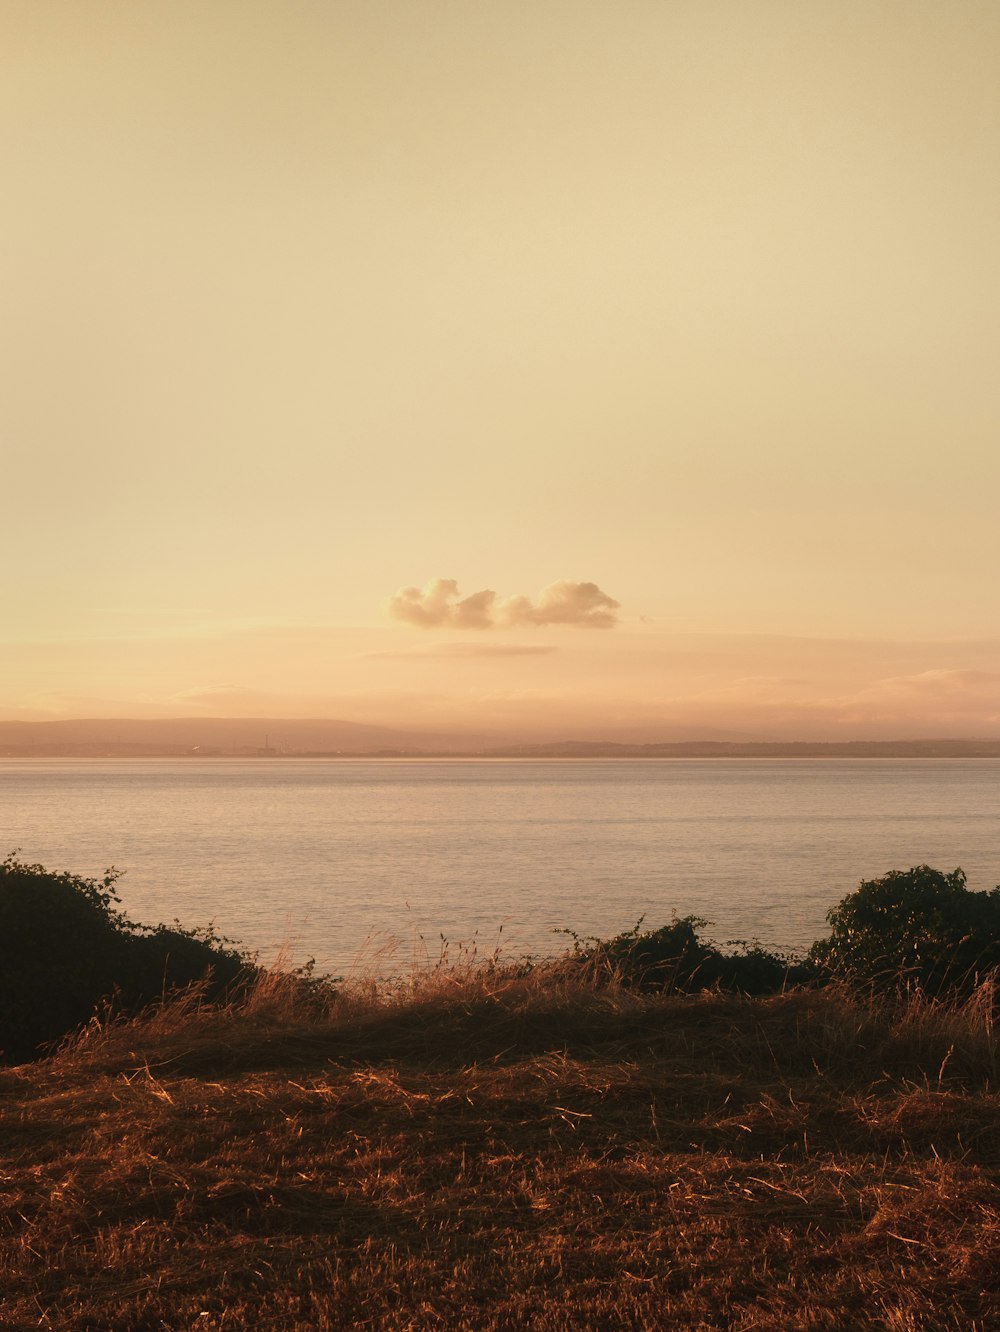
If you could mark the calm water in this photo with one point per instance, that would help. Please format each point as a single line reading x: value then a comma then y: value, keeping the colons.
x: 337, y: 857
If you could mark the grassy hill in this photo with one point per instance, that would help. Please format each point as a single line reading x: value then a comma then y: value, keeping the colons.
x: 487, y: 1150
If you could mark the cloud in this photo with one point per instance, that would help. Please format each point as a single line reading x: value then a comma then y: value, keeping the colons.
x: 440, y: 605
x: 493, y: 650
x: 943, y: 684
x: 225, y: 698
x: 564, y: 602
x: 940, y: 703
x: 467, y: 650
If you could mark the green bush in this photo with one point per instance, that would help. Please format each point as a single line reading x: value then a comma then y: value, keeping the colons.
x: 674, y: 958
x: 67, y: 952
x: 913, y: 928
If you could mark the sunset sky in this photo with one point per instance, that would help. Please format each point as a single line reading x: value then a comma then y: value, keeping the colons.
x: 672, y: 324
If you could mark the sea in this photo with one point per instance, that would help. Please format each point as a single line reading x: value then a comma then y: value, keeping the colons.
x: 382, y: 866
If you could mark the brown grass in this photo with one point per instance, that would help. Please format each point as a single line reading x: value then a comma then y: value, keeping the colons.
x: 486, y: 1151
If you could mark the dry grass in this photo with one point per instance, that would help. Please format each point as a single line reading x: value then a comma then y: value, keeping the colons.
x: 481, y: 1150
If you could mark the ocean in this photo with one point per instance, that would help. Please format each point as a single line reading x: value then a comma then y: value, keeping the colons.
x: 384, y: 864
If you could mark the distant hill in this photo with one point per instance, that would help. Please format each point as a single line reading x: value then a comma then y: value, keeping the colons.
x: 229, y: 735
x: 274, y: 737
x: 660, y: 733
x: 763, y: 749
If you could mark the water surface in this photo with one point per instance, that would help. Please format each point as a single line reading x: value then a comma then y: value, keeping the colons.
x: 335, y: 857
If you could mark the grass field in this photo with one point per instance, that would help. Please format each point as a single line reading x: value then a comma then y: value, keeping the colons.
x: 483, y: 1150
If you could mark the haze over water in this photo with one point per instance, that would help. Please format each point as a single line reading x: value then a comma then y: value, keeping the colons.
x: 336, y: 858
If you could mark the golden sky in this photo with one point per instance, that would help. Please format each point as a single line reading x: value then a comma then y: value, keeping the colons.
x: 695, y: 302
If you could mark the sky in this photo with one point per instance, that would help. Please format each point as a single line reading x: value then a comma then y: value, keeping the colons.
x: 541, y: 367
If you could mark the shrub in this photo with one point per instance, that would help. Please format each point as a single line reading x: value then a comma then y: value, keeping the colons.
x: 67, y: 952
x: 914, y: 928
x: 673, y: 957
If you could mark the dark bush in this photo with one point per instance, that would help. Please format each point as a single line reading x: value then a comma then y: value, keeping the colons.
x: 913, y: 928
x: 674, y: 958
x: 67, y: 952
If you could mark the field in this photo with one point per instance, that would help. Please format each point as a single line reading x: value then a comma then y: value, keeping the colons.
x: 486, y: 1150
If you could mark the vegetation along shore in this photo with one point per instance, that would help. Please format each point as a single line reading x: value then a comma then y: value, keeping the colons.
x: 646, y: 1132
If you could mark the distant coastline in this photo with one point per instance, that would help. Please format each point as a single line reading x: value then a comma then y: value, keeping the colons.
x: 572, y: 749
x: 272, y: 738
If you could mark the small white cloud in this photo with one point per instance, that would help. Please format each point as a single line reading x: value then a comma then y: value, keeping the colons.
x: 564, y: 602
x: 439, y: 604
